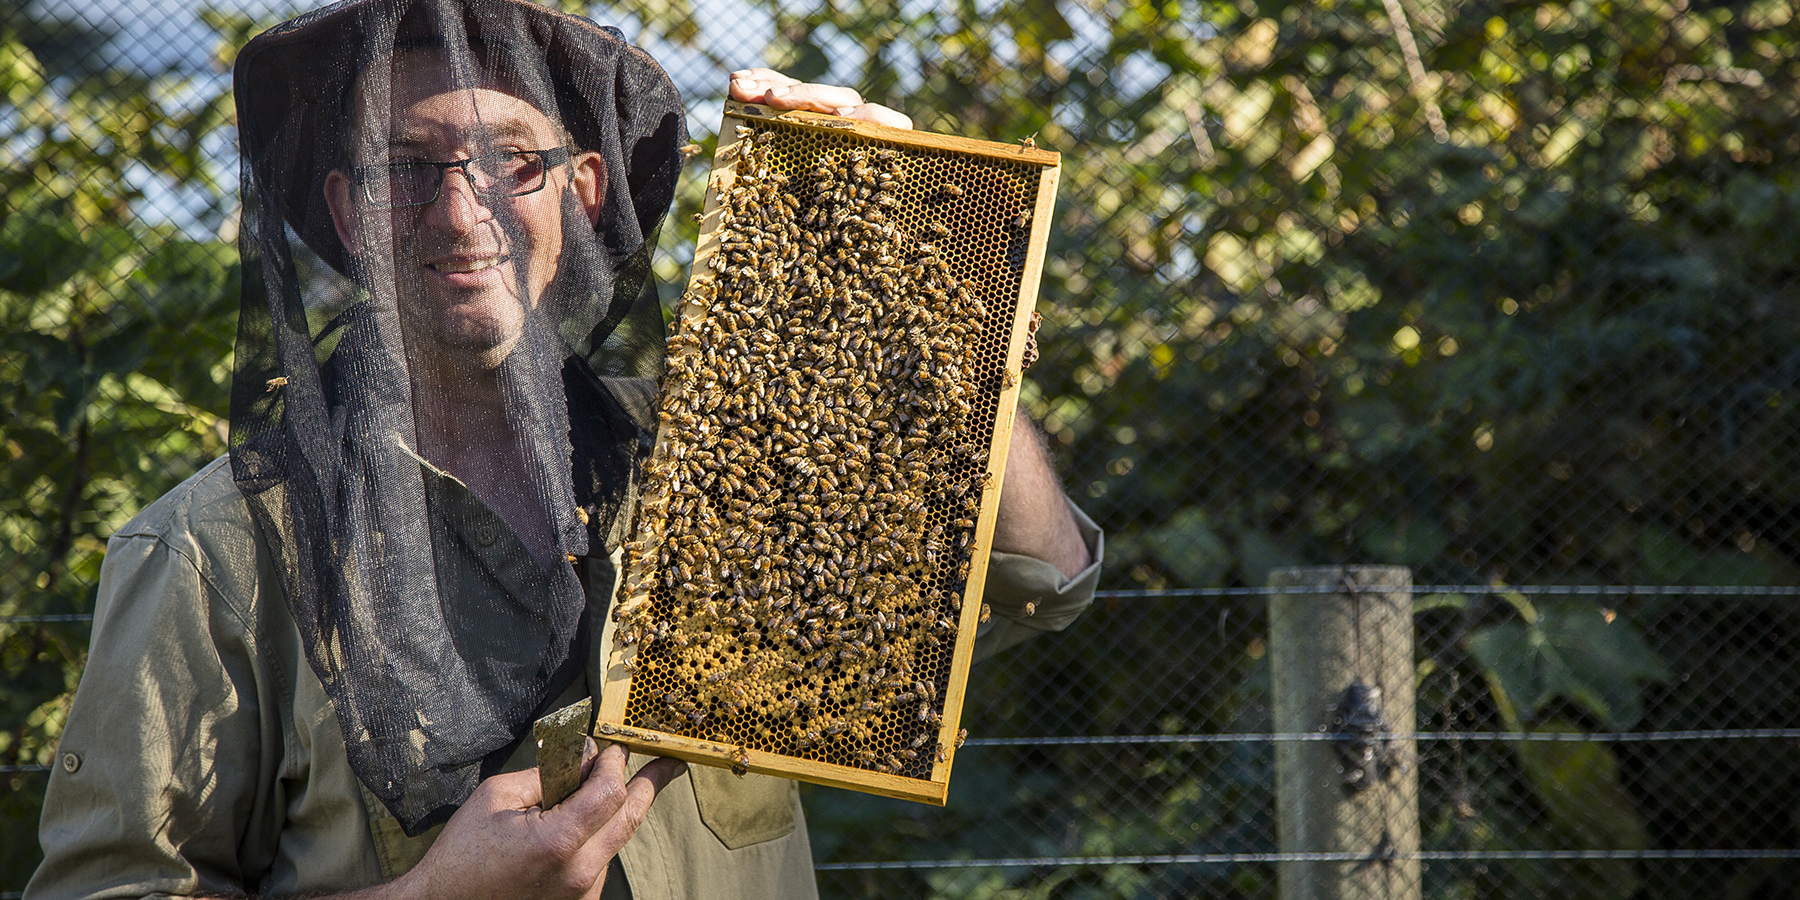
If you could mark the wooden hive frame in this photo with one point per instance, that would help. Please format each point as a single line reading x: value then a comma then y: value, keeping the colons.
x: 847, y: 672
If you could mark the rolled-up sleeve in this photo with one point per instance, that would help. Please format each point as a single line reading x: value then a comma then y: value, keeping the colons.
x: 1029, y: 596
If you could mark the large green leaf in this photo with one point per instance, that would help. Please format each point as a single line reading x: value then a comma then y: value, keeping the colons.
x: 1575, y: 652
x: 1579, y: 785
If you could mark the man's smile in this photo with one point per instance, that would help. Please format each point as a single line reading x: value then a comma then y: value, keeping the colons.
x: 466, y: 264
x: 468, y: 269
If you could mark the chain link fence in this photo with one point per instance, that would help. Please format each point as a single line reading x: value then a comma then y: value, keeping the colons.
x: 1502, y: 293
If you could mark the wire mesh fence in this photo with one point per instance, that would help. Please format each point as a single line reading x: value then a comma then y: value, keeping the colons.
x: 1118, y: 761
x: 1501, y: 293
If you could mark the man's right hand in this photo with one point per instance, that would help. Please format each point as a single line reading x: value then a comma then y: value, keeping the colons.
x: 501, y: 844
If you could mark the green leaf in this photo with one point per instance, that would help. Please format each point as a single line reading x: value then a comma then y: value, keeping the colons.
x: 1375, y: 428
x: 69, y: 408
x: 1407, y: 540
x: 180, y: 279
x: 1669, y: 559
x: 122, y: 351
x: 1574, y: 653
x: 21, y: 78
x: 1191, y: 549
x: 47, y: 359
x: 1260, y: 551
x: 1041, y: 23
x: 50, y: 249
x: 1579, y: 785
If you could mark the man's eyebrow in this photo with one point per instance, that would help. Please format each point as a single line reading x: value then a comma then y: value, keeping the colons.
x: 502, y: 130
x: 405, y: 141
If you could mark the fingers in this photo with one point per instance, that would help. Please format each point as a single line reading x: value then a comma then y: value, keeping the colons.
x: 500, y: 839
x: 607, y: 794
x: 771, y: 88
x: 639, y: 793
x: 881, y: 115
x: 659, y: 772
x: 751, y: 85
x: 601, y: 793
x: 825, y: 98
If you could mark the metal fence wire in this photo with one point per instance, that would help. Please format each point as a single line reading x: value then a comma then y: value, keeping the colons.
x: 1507, y: 294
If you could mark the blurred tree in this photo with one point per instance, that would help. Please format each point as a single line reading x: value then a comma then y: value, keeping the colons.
x: 115, y: 342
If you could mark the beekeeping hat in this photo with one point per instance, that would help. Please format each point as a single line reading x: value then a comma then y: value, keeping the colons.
x: 448, y: 213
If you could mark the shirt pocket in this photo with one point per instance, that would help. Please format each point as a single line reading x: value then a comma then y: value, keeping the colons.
x: 745, y: 810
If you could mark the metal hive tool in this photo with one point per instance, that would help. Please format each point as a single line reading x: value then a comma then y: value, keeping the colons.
x: 801, y: 594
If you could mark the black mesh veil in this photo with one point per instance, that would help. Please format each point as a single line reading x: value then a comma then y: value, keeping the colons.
x: 449, y: 209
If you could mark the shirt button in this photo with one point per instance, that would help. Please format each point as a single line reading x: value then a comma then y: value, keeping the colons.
x: 71, y: 762
x: 485, y: 534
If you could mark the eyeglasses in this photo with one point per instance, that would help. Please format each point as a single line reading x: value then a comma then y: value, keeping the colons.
x: 494, y: 176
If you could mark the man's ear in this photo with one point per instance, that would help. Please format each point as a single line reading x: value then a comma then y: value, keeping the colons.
x: 589, y: 183
x: 343, y: 210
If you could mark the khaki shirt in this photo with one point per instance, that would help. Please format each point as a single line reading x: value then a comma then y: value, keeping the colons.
x: 202, y: 755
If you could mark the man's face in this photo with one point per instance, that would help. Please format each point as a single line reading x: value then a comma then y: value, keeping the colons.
x: 464, y: 267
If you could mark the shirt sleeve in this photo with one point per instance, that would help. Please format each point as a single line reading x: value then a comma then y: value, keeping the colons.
x: 158, y: 764
x: 1029, y: 596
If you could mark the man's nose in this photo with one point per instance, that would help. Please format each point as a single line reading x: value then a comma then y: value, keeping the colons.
x: 457, y: 207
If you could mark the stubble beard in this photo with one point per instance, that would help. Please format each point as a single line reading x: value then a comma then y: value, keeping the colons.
x: 469, y: 321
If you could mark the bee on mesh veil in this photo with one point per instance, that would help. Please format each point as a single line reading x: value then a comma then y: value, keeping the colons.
x: 449, y: 210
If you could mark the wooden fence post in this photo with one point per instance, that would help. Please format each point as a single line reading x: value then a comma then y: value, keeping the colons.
x: 1341, y: 662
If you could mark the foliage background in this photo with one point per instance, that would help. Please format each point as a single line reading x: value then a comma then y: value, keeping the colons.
x: 1501, y: 291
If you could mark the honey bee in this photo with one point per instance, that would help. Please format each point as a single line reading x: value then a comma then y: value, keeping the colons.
x: 278, y: 381
x: 1028, y: 142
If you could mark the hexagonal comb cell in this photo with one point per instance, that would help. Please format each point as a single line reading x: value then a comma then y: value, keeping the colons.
x: 803, y: 585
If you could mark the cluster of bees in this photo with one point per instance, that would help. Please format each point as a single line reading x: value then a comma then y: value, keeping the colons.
x: 825, y: 424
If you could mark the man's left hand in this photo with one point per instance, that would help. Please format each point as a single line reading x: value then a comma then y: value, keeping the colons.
x: 773, y: 89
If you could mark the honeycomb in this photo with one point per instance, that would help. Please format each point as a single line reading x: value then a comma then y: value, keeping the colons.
x: 801, y: 559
